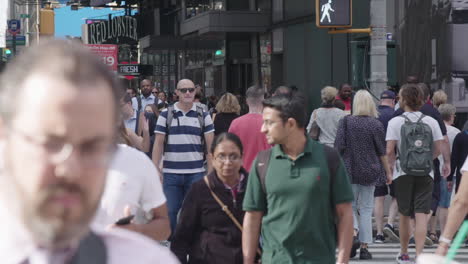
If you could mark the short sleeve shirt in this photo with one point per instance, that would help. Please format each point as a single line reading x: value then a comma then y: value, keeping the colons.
x: 298, y: 222
x: 394, y: 128
x: 132, y: 180
x: 184, y: 153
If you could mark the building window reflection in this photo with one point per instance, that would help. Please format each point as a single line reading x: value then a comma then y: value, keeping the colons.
x: 196, y: 7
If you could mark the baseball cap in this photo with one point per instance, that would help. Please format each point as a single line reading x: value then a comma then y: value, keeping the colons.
x: 387, y: 95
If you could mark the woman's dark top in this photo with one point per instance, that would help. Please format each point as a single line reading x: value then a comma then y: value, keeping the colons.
x: 223, y: 121
x: 205, y: 232
x: 458, y: 157
x: 361, y: 142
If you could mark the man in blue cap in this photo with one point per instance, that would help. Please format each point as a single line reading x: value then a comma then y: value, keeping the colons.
x: 386, y: 110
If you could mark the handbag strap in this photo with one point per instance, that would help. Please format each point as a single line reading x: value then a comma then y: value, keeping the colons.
x: 226, y: 209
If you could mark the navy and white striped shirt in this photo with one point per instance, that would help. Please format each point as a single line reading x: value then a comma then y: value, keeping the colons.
x: 184, y: 150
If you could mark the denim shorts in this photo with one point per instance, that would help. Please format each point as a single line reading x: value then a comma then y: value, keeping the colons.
x: 445, y: 195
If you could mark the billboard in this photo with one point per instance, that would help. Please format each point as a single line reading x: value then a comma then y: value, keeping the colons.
x: 108, y: 54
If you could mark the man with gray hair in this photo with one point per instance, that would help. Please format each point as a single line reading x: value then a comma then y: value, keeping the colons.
x: 247, y: 127
x: 55, y: 152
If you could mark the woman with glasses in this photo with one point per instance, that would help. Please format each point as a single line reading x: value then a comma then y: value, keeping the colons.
x: 205, y: 233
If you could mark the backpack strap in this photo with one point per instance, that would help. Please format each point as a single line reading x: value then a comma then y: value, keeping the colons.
x: 91, y: 250
x: 137, y: 122
x: 170, y: 116
x: 263, y: 160
x: 420, y: 119
x: 201, y: 121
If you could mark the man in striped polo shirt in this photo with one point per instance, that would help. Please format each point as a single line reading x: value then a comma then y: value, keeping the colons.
x: 184, y: 147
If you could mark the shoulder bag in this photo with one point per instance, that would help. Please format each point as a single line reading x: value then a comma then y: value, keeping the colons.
x: 226, y: 209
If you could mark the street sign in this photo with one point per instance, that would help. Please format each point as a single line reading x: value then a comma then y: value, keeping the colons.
x: 25, y: 16
x: 20, y: 40
x: 14, y: 26
x: 333, y: 13
x: 135, y: 69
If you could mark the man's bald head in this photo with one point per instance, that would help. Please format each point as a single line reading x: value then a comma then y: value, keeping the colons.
x: 185, y: 83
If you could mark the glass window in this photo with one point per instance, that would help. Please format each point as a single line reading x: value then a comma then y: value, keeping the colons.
x: 277, y: 14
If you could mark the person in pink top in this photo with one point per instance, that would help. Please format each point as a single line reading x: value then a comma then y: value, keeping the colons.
x: 247, y: 127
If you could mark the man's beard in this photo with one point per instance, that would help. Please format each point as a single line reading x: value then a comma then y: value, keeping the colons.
x: 55, y: 225
x: 146, y: 93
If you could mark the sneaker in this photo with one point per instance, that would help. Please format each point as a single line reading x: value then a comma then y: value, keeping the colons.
x: 434, y: 238
x: 379, y: 239
x: 412, y: 243
x: 364, y: 254
x: 403, y: 259
x: 428, y: 242
x: 389, y: 231
x: 354, y: 248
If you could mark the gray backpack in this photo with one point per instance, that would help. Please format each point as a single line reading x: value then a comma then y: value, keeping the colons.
x: 416, y: 147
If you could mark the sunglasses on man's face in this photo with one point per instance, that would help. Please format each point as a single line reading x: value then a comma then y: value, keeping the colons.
x: 184, y: 90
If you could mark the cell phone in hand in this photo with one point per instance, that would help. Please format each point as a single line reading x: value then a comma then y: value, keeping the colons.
x: 125, y: 220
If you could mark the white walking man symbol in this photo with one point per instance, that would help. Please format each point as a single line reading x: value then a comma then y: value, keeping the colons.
x: 326, y: 8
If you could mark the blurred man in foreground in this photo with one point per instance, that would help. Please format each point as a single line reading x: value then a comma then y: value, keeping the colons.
x: 57, y: 145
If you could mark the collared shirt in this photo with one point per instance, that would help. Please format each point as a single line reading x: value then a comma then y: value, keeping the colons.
x: 144, y: 101
x: 184, y: 152
x: 17, y: 246
x: 299, y: 204
x: 131, y: 122
x: 236, y: 188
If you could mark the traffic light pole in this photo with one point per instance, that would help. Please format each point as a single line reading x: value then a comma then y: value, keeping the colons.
x: 378, y: 47
x: 13, y: 46
x: 378, y: 43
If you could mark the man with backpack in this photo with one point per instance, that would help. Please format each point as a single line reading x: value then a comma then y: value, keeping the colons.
x: 183, y: 133
x: 298, y: 193
x: 417, y: 139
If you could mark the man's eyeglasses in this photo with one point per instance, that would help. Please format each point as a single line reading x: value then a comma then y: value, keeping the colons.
x: 154, y: 92
x: 184, y: 90
x: 92, y: 155
x: 224, y: 158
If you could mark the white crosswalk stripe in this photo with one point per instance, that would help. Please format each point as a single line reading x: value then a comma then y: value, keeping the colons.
x: 386, y: 253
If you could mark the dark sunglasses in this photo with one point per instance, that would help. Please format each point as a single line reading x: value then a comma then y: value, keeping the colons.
x: 154, y: 92
x: 184, y: 90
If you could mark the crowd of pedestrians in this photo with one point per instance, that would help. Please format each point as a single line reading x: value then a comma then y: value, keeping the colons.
x: 117, y: 176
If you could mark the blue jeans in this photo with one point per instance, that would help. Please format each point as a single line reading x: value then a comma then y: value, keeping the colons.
x: 364, y: 202
x: 175, y: 187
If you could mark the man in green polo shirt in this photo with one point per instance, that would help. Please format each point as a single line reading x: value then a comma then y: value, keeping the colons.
x: 304, y: 213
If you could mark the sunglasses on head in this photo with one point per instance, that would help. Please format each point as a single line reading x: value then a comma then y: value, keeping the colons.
x: 184, y: 90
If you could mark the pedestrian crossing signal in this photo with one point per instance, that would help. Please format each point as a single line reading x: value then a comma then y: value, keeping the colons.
x: 333, y: 13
